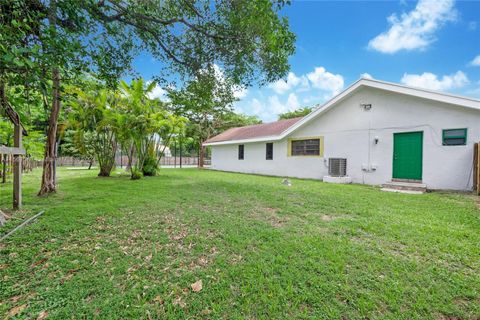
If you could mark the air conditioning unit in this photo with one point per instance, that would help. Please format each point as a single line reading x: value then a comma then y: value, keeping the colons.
x: 337, y: 167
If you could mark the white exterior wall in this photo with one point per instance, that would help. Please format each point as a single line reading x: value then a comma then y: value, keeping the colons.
x: 346, y: 133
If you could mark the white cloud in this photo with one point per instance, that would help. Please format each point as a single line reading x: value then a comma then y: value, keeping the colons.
x: 239, y: 92
x: 158, y: 93
x: 296, y: 91
x: 324, y: 80
x: 268, y: 111
x: 416, y: 29
x: 319, y: 78
x: 257, y: 107
x: 292, y: 102
x: 431, y: 81
x: 475, y: 61
x: 276, y: 107
x: 281, y: 86
x: 366, y: 76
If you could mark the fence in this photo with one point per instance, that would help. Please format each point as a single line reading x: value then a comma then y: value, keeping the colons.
x: 476, y: 168
x: 73, y: 162
x: 28, y: 164
x: 122, y: 161
x: 6, y: 165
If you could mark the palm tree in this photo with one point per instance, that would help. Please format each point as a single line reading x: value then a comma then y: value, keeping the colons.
x: 93, y: 117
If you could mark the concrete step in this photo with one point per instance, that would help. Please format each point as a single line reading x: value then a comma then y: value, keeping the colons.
x: 405, y: 187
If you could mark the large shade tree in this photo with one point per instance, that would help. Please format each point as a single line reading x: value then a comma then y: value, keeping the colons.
x: 58, y: 39
x: 204, y: 100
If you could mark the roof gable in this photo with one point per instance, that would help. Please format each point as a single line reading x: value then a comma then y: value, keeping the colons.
x: 370, y: 83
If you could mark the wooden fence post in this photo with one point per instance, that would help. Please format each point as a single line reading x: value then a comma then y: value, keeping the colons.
x: 17, y: 168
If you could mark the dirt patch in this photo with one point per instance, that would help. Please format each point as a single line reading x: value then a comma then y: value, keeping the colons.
x: 271, y: 210
x: 327, y: 217
x: 236, y: 258
x: 331, y: 217
x: 176, y: 236
x: 271, y: 216
x: 276, y: 222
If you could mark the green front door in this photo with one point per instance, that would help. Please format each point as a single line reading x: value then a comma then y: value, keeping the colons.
x: 407, y: 155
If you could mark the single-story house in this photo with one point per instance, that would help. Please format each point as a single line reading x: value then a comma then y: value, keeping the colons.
x: 374, y: 132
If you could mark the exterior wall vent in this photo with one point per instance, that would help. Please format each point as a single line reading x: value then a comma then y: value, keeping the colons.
x: 337, y: 167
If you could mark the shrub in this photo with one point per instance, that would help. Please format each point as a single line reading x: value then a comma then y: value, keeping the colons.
x: 136, y: 174
x: 150, y: 167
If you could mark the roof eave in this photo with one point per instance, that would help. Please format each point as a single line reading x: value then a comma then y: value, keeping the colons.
x: 240, y: 141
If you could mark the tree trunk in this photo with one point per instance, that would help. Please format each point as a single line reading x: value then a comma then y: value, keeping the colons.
x: 201, y: 156
x: 129, y: 158
x: 48, y: 176
x: 106, y: 153
x: 4, y: 169
x: 90, y: 164
x: 105, y: 171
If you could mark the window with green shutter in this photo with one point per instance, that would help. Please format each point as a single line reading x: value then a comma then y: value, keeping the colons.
x: 454, y: 137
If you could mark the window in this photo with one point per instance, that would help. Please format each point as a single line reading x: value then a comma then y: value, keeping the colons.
x: 454, y: 137
x: 269, y: 151
x: 308, y: 147
x: 240, y: 151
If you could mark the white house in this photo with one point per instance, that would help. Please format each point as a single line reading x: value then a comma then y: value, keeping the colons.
x: 374, y: 133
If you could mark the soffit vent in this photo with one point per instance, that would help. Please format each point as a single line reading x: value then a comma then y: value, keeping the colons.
x: 337, y: 167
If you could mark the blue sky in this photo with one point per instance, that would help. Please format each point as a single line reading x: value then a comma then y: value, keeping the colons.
x: 433, y: 44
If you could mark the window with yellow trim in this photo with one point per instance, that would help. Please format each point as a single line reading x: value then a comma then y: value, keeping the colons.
x: 307, y: 147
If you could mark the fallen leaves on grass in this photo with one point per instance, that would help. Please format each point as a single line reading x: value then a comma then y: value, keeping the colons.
x: 179, y: 302
x: 158, y: 299
x: 16, y: 310
x: 135, y: 235
x: 182, y: 234
x: 206, y: 312
x: 42, y: 315
x: 69, y: 275
x: 236, y: 259
x: 202, y: 261
x: 197, y: 286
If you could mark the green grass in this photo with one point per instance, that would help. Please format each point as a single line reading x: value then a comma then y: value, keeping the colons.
x: 115, y: 248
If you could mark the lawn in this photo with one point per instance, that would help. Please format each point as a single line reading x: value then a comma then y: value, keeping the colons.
x: 115, y: 248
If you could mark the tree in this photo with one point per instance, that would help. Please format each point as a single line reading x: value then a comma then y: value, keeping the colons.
x: 143, y: 124
x: 45, y: 42
x: 78, y: 146
x: 93, y: 116
x: 61, y: 39
x: 6, y: 139
x: 204, y: 100
x: 232, y: 119
x: 295, y: 114
x: 31, y: 115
